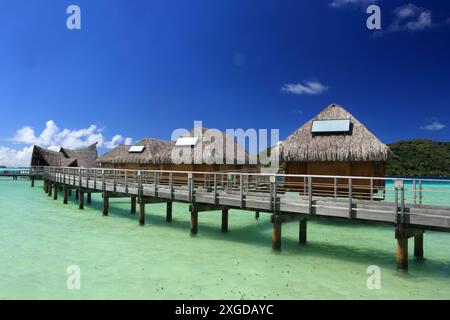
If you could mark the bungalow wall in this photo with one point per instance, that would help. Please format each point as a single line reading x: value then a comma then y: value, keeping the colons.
x: 325, y: 186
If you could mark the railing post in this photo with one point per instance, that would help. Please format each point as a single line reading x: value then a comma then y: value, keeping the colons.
x: 95, y: 178
x: 215, y: 190
x: 241, y: 190
x: 350, y: 201
x: 126, y: 181
x: 310, y: 192
x: 335, y: 188
x: 87, y: 178
x: 396, y: 203
x: 420, y: 192
x: 103, y: 181
x: 155, y: 182
x: 272, y: 191
x: 140, y: 186
x: 415, y: 192
x: 371, y: 189
x: 191, y: 187
x: 171, y: 185
x: 115, y: 181
x: 79, y: 178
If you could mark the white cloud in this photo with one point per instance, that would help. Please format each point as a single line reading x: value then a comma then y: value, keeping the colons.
x: 434, y: 125
x: 310, y: 88
x: 53, y: 137
x: 344, y: 3
x: 116, y: 140
x: 15, y: 158
x: 410, y: 17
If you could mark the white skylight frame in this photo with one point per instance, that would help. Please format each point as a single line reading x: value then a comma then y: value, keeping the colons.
x: 136, y: 149
x: 331, y: 126
x: 186, y: 141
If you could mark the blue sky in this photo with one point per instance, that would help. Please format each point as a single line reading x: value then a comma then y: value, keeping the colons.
x: 144, y: 68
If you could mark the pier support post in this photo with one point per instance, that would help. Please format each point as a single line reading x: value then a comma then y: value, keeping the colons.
x: 55, y: 192
x: 303, y: 231
x: 105, y: 203
x: 256, y: 215
x: 77, y: 194
x: 89, y: 197
x: 194, y: 221
x: 81, y: 200
x: 142, y: 212
x: 418, y: 246
x: 402, y: 254
x: 45, y: 185
x: 133, y: 205
x: 49, y: 187
x: 276, y: 235
x: 169, y: 212
x: 32, y: 182
x: 225, y: 220
x: 65, y: 200
x: 70, y: 192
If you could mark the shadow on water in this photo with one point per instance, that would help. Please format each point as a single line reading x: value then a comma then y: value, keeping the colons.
x: 258, y: 234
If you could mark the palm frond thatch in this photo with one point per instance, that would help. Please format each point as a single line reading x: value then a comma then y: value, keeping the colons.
x: 158, y: 151
x: 85, y: 157
x: 358, y: 145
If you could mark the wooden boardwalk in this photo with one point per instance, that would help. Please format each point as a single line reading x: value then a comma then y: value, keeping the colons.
x: 303, y: 198
x: 31, y: 173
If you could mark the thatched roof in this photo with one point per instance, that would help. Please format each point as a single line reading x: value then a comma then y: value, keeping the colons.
x: 65, y: 157
x: 357, y: 145
x: 85, y: 157
x: 45, y: 157
x: 155, y: 152
x: 160, y: 151
x: 209, y: 136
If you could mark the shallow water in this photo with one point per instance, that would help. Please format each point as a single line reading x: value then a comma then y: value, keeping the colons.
x: 40, y: 238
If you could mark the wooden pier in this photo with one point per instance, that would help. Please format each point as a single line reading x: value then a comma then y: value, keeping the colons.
x: 402, y: 203
x: 30, y: 173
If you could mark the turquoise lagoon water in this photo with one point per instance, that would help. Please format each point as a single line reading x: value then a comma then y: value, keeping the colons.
x: 40, y: 238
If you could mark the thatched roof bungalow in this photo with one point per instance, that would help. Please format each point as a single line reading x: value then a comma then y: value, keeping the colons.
x: 156, y: 154
x: 84, y: 157
x: 334, y: 143
x: 153, y: 154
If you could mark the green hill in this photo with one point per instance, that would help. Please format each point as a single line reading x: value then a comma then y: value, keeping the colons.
x: 419, y: 157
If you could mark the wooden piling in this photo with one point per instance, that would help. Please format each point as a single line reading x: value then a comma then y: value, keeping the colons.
x: 49, y: 187
x: 77, y: 194
x: 169, y: 212
x: 70, y: 192
x: 302, y: 231
x: 105, y: 203
x: 402, y: 253
x: 276, y: 235
x: 142, y: 212
x: 133, y: 205
x: 225, y: 220
x: 194, y: 221
x: 65, y: 197
x: 55, y: 192
x: 32, y: 182
x: 81, y: 200
x: 418, y: 246
x: 256, y: 215
x: 89, y: 197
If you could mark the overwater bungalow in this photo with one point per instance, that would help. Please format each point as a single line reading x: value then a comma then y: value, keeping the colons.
x: 84, y: 157
x: 334, y: 143
x: 156, y: 154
